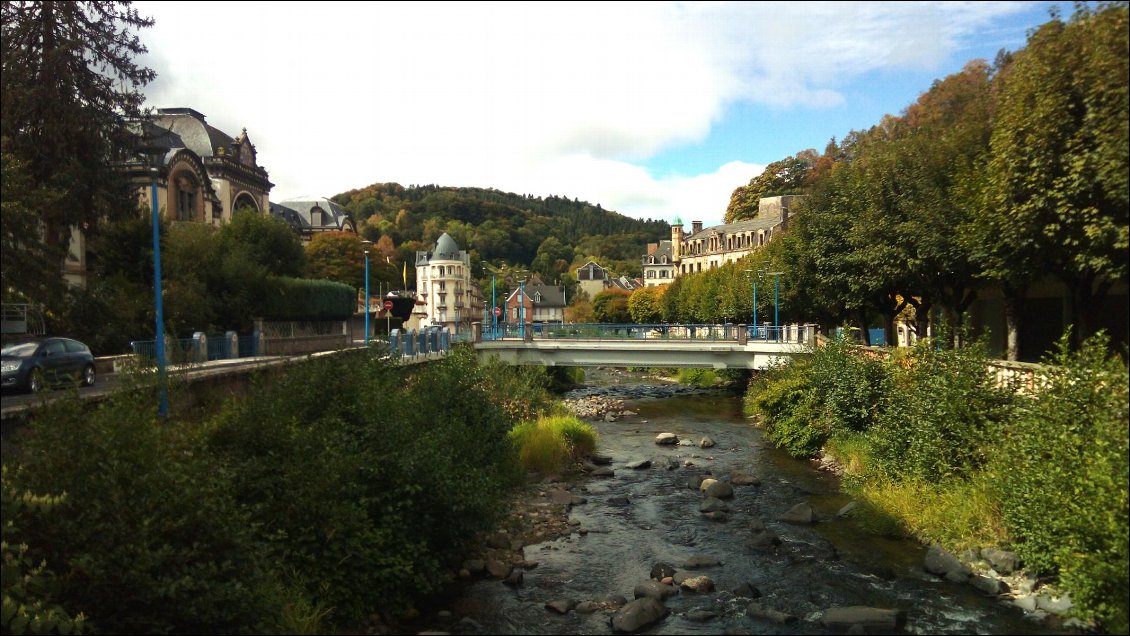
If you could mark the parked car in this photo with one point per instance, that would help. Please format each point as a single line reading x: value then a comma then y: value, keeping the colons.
x: 37, y: 364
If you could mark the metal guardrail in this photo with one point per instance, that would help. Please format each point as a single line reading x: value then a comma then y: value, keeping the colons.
x: 657, y: 331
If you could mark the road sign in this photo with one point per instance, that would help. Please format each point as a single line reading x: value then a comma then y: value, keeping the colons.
x: 498, y: 311
x: 388, y: 305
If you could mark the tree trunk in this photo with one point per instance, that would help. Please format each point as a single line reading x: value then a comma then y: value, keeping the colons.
x: 1012, y: 299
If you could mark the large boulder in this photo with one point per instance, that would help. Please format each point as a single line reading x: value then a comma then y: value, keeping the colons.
x: 871, y: 619
x: 637, y: 615
x: 719, y: 489
x: 666, y: 439
x: 801, y: 513
x: 713, y: 504
x: 1003, y: 561
x: 946, y: 565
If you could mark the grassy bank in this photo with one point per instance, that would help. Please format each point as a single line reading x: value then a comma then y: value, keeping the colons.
x: 934, y: 449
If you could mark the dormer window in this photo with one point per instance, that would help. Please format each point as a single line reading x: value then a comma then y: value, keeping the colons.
x: 537, y: 297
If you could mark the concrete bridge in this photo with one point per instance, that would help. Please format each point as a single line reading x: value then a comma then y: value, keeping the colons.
x: 695, y: 346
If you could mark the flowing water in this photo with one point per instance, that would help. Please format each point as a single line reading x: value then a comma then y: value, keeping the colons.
x: 637, y: 518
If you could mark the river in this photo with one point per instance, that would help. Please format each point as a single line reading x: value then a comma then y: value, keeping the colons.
x: 639, y: 517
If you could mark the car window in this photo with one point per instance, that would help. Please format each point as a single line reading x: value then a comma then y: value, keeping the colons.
x: 22, y: 350
x: 74, y: 346
x: 54, y: 347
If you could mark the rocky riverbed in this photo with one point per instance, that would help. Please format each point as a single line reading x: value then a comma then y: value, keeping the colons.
x: 713, y: 532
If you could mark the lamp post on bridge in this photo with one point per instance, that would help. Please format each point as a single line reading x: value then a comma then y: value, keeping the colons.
x: 366, y: 244
x: 756, y: 274
x: 522, y: 307
x: 776, y: 297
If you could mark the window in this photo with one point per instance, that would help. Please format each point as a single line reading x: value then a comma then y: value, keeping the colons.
x: 537, y: 297
x: 186, y: 197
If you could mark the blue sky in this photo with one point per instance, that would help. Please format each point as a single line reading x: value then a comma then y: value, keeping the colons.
x: 653, y: 109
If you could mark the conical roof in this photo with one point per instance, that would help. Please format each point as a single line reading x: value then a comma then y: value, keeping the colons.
x: 446, y: 248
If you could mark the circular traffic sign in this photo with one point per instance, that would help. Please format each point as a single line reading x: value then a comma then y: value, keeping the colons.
x: 498, y: 311
x: 388, y: 305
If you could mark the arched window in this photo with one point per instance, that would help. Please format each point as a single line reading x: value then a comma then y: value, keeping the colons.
x: 186, y: 196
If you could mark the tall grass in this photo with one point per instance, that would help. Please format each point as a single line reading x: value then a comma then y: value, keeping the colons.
x: 548, y: 444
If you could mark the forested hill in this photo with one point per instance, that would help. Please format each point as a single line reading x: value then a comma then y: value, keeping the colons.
x: 499, y: 226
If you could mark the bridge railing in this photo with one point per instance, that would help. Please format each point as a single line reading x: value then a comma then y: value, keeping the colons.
x: 655, y: 331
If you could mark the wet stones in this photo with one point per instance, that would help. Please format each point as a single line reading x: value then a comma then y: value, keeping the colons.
x: 639, y: 464
x: 739, y: 478
x: 698, y: 584
x: 662, y: 570
x: 706, y: 442
x: 758, y: 610
x: 666, y: 439
x: 654, y: 589
x: 713, y: 504
x: 719, y: 490
x: 946, y: 565
x: 801, y: 513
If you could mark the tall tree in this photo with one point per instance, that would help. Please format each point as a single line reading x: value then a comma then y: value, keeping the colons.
x: 69, y: 86
x: 787, y: 176
x: 1056, y: 194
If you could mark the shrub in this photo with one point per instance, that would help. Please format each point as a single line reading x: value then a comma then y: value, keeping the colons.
x: 148, y: 538
x: 1062, y: 473
x: 302, y: 299
x: 783, y: 397
x: 940, y: 415
x: 370, y: 496
x: 698, y: 377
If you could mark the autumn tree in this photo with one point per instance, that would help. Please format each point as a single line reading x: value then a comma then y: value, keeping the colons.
x: 70, y: 85
x: 336, y: 256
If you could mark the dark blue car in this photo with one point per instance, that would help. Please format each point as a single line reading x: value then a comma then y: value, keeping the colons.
x: 35, y: 365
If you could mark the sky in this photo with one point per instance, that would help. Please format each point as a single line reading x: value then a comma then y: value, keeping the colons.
x: 656, y: 110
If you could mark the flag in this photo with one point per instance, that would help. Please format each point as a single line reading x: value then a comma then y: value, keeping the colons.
x: 405, y: 275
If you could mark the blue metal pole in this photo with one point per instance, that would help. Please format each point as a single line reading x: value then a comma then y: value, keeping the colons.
x: 493, y: 306
x: 776, y: 322
x: 755, y: 309
x: 366, y: 298
x: 159, y: 344
x: 522, y: 307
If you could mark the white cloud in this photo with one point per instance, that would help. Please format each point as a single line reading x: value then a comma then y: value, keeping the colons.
x: 538, y: 98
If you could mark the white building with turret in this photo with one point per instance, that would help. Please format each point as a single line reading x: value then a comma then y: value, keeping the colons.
x: 445, y: 288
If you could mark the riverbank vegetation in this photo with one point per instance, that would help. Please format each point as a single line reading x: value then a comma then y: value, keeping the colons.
x: 935, y: 448
x: 552, y: 443
x: 332, y: 494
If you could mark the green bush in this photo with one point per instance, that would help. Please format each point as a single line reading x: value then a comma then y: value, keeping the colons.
x: 847, y: 386
x: 1062, y: 472
x: 370, y: 494
x: 148, y: 538
x: 698, y: 377
x: 302, y: 299
x: 30, y: 589
x: 782, y: 396
x: 940, y: 415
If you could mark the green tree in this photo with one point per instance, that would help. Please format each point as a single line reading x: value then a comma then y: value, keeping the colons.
x: 611, y: 305
x: 646, y: 305
x: 1056, y: 193
x: 69, y: 86
x: 266, y: 241
x: 787, y: 176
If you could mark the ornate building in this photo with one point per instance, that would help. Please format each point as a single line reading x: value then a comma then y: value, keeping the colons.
x: 308, y: 216
x: 444, y: 287
x: 203, y: 174
x: 703, y: 249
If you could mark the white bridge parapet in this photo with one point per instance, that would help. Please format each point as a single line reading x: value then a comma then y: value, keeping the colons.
x: 707, y: 354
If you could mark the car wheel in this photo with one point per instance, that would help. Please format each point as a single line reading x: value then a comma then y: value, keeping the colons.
x: 88, y: 375
x: 35, y: 381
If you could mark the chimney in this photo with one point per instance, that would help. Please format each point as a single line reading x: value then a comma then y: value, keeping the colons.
x: 696, y: 227
x: 651, y: 247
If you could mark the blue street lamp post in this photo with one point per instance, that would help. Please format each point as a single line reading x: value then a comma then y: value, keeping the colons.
x: 367, y: 243
x: 776, y: 298
x: 493, y: 307
x: 159, y: 342
x: 754, y: 304
x: 522, y: 307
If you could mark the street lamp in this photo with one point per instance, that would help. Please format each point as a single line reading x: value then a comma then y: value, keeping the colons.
x: 776, y: 297
x: 366, y: 244
x: 159, y: 341
x: 493, y: 307
x: 754, y: 278
x: 522, y: 307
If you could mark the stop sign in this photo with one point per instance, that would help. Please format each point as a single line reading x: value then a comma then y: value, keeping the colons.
x: 498, y: 311
x: 388, y: 305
